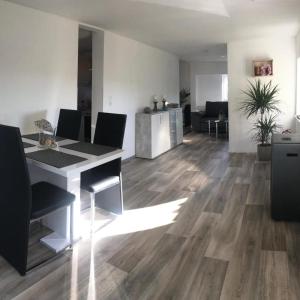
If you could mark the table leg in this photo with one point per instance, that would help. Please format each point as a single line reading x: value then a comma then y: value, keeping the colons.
x: 73, y: 186
x: 216, y: 130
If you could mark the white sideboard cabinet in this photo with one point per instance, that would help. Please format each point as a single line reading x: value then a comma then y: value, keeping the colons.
x: 176, y: 126
x: 157, y: 133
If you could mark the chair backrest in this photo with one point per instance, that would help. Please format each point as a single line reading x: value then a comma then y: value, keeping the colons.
x: 15, y: 199
x: 110, y: 129
x: 214, y: 108
x: 69, y: 124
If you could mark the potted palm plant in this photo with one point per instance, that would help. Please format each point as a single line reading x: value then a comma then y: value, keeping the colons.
x: 262, y: 102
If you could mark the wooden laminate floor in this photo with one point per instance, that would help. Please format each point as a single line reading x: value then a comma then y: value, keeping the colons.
x: 196, y: 226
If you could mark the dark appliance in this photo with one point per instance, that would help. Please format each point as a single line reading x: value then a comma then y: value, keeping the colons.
x: 285, y: 177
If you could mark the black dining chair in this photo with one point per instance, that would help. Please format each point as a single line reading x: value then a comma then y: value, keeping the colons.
x: 20, y: 202
x: 106, y: 180
x: 69, y: 124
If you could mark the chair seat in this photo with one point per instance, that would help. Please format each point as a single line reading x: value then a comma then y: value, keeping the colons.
x: 101, y: 185
x: 47, y: 198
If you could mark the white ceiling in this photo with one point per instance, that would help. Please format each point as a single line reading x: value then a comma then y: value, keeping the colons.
x: 191, y: 29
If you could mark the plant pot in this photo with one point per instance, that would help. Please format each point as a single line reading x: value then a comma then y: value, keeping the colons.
x: 264, y: 152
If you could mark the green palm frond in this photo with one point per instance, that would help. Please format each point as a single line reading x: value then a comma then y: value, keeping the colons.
x: 264, y: 128
x: 261, y: 98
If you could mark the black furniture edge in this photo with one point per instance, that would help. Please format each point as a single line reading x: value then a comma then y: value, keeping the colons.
x: 20, y: 202
x: 15, y: 192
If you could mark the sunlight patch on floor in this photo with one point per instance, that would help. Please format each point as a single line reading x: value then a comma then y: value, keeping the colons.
x: 92, y: 281
x: 74, y: 273
x: 186, y: 141
x: 99, y: 222
x: 141, y: 219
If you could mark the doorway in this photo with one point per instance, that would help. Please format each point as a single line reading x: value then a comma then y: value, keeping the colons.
x: 85, y: 81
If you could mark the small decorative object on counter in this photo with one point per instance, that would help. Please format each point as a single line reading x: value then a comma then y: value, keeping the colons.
x: 155, y: 102
x: 46, y: 134
x: 147, y: 110
x: 165, y: 103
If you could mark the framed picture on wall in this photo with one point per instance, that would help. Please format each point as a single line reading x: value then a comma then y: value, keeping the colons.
x: 263, y: 67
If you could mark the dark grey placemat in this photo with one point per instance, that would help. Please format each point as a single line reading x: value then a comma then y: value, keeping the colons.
x: 55, y: 158
x: 89, y: 148
x: 35, y: 137
x: 26, y: 145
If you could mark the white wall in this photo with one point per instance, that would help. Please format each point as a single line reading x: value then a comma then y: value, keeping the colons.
x: 203, y: 68
x: 185, y: 75
x: 38, y: 65
x: 218, y: 67
x: 133, y: 73
x: 240, y: 69
x: 208, y: 88
x: 38, y: 73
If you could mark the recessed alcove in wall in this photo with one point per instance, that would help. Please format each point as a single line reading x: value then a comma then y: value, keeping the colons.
x: 90, y: 77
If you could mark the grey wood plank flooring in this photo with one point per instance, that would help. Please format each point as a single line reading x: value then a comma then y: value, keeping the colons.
x: 293, y: 253
x: 178, y: 276
x: 273, y: 276
x: 196, y: 226
x: 241, y: 279
x: 225, y: 235
x: 147, y: 270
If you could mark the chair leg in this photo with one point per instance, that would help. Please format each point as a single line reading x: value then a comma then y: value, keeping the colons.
x: 59, y: 253
x: 71, y: 226
x: 92, y: 197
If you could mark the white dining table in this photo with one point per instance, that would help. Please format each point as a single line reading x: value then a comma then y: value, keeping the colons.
x: 67, y: 178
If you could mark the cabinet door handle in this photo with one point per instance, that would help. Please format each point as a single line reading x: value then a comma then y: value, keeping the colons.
x: 292, y: 154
